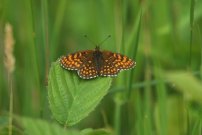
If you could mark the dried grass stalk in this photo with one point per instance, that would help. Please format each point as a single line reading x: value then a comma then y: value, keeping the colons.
x: 9, y: 60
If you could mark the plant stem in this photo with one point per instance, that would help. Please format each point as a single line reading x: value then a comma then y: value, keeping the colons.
x: 10, y: 104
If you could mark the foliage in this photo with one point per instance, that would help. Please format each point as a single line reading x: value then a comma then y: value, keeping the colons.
x: 161, y: 94
x: 71, y: 98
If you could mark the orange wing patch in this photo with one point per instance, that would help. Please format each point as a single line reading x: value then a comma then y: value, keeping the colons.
x: 71, y: 61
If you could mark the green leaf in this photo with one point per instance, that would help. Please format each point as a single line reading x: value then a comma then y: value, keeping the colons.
x: 71, y: 98
x: 30, y: 126
x: 96, y: 132
x: 187, y: 84
x: 41, y: 127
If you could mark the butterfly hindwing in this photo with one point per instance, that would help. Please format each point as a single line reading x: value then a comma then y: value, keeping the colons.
x: 88, y: 70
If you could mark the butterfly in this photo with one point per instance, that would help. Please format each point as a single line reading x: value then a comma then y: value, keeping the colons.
x: 93, y: 63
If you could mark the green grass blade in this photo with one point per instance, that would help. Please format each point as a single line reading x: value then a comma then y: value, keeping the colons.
x: 31, y: 62
x: 161, y: 112
x: 191, y: 30
x: 136, y: 31
x: 60, y: 13
x: 117, y: 116
x: 147, y: 102
x: 45, y: 33
x: 139, y: 114
x: 120, y: 16
x: 200, y: 41
x: 143, y: 84
x: 196, y: 128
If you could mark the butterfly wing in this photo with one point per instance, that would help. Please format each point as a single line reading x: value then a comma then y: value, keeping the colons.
x: 86, y: 66
x: 88, y: 70
x: 76, y: 60
x: 113, y: 63
x: 82, y: 62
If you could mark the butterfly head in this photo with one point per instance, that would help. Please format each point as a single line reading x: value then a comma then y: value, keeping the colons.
x: 97, y: 48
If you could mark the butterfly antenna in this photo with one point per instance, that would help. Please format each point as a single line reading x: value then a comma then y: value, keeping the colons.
x: 89, y: 39
x: 104, y: 40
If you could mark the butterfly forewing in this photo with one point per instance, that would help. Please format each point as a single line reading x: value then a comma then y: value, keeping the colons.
x: 82, y: 62
x: 76, y: 60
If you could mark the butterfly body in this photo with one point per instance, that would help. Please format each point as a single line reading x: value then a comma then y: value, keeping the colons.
x: 93, y: 63
x: 98, y: 59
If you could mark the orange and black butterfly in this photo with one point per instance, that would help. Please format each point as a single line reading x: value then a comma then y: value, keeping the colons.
x: 93, y: 63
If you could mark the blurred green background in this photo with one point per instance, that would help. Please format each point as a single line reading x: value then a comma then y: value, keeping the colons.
x: 162, y: 95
